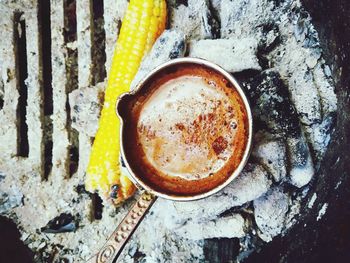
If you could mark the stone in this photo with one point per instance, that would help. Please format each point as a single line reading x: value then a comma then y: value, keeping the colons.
x: 300, y: 161
x: 85, y: 106
x: 171, y: 44
x: 194, y: 20
x: 270, y: 213
x: 234, y: 55
x: 249, y: 185
x: 10, y: 199
x: 271, y: 153
x: 225, y: 227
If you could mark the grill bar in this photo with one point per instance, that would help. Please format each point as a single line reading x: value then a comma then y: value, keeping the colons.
x: 34, y: 86
x: 8, y: 114
x: 59, y: 82
x: 84, y: 44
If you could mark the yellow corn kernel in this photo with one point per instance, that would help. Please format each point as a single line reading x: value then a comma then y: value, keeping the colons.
x: 143, y: 22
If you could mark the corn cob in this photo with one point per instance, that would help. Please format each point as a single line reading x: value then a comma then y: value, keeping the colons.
x: 143, y: 22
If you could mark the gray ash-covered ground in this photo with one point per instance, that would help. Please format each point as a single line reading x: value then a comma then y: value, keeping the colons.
x: 272, y: 48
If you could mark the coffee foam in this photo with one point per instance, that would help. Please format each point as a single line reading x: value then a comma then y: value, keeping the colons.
x: 179, y: 128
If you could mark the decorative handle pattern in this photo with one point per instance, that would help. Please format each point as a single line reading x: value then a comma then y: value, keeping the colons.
x: 116, y: 242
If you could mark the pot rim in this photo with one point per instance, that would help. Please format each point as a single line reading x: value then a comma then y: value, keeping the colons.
x: 139, y: 183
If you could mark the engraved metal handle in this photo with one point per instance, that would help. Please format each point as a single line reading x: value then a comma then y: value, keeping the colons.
x: 116, y: 242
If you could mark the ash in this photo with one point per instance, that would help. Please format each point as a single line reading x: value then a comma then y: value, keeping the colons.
x: 273, y: 50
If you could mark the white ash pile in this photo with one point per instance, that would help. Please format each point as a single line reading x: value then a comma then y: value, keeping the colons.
x: 273, y: 50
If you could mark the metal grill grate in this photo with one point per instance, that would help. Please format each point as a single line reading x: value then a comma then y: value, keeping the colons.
x: 49, y: 49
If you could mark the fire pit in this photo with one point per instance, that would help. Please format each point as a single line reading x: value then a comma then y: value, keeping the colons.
x: 55, y: 60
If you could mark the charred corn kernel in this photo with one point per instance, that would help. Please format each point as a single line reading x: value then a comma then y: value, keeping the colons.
x: 144, y: 21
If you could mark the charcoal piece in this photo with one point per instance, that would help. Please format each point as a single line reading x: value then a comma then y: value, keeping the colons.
x: 132, y: 249
x: 273, y: 108
x: 303, y: 30
x: 210, y: 25
x: 321, y: 134
x: 65, y: 222
x: 304, y: 94
x: 171, y: 44
x: 229, y: 227
x: 232, y: 12
x: 253, y: 182
x: 194, y: 19
x: 10, y: 199
x: 271, y: 153
x: 325, y: 86
x: 238, y: 16
x: 270, y: 213
x: 271, y: 104
x: 300, y: 153
x: 80, y: 189
x: 301, y: 168
x: 270, y: 38
x: 97, y: 203
x: 234, y: 54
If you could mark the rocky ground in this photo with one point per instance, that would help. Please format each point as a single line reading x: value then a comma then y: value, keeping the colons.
x: 273, y: 50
